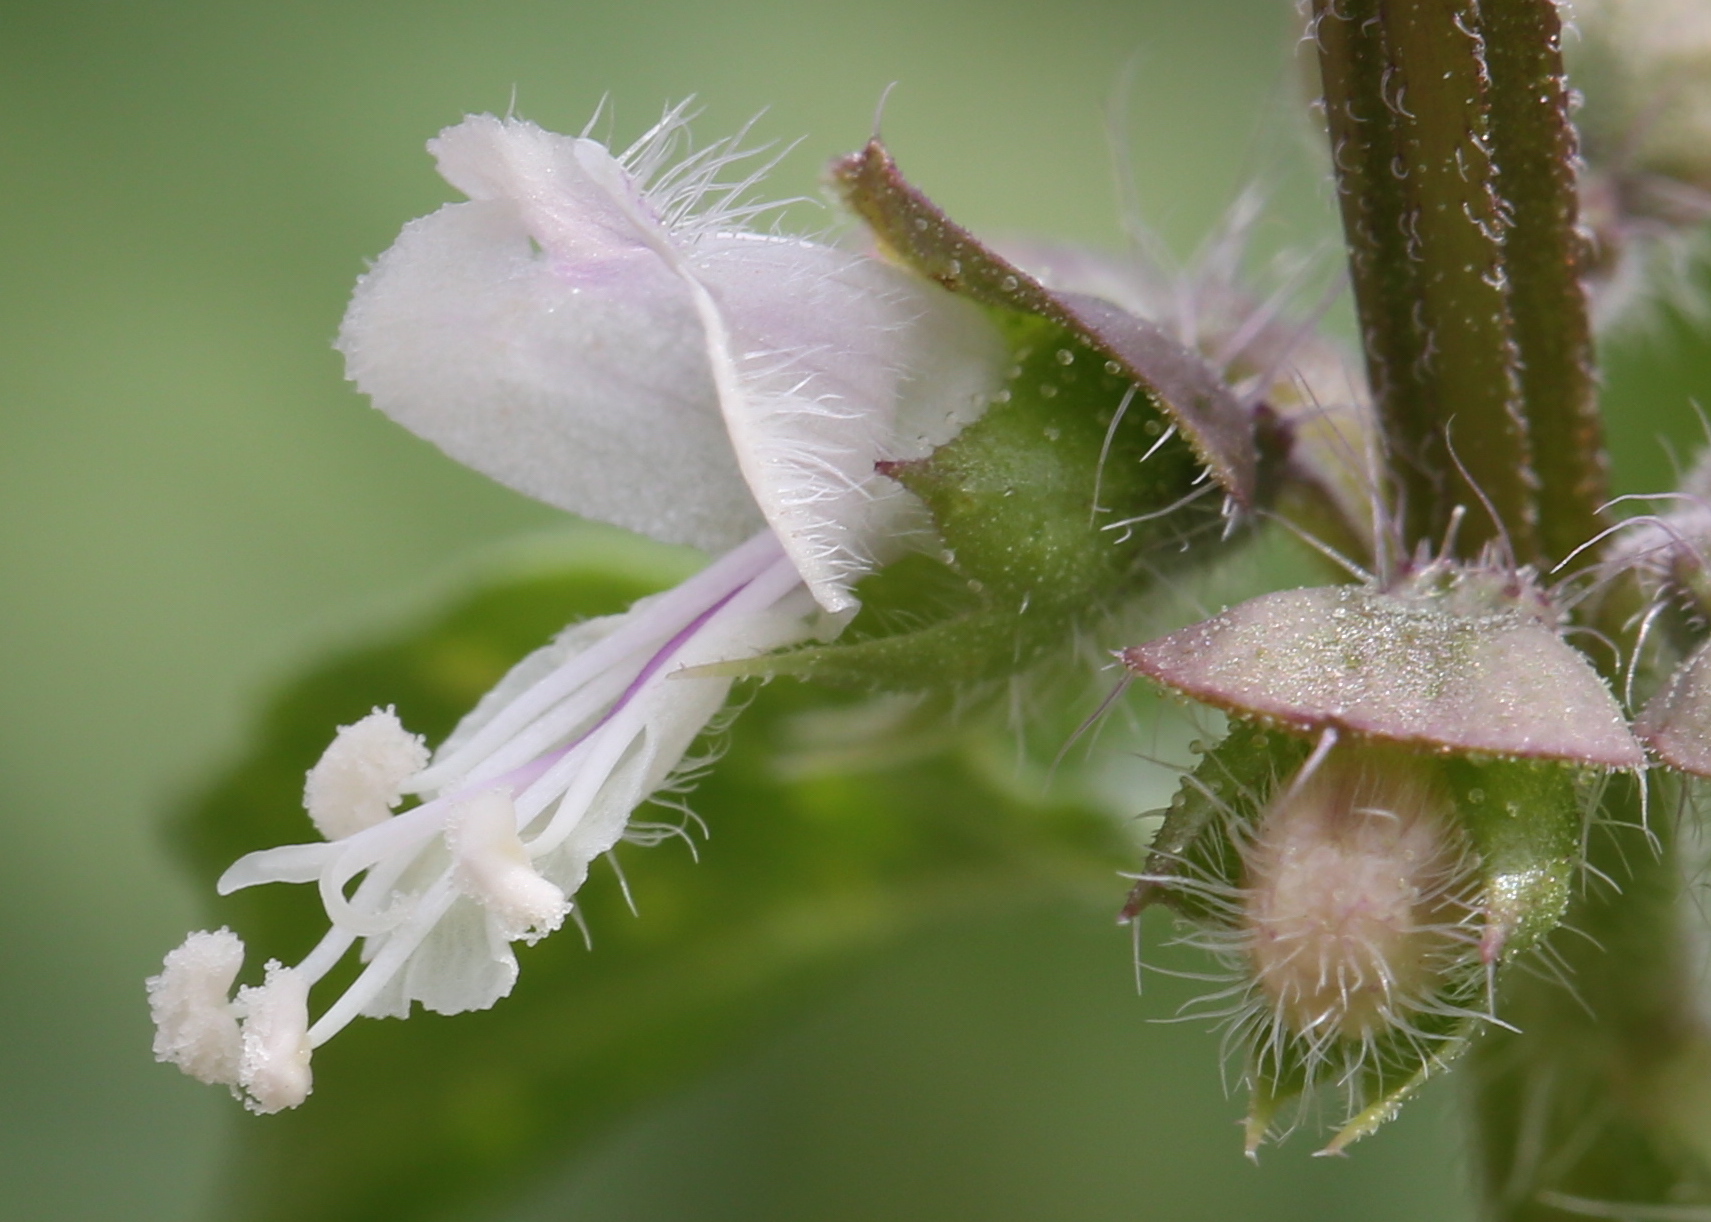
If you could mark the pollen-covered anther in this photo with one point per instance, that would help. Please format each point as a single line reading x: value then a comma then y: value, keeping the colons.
x: 493, y: 868
x: 274, y: 1065
x: 361, y: 775
x: 1351, y: 908
x: 195, y: 1028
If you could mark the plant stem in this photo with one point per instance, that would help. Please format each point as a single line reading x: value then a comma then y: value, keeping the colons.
x: 1535, y: 148
x: 1364, y: 148
x: 1407, y: 103
x: 1455, y: 163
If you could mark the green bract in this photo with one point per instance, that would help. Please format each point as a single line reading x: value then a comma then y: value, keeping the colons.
x: 1444, y: 662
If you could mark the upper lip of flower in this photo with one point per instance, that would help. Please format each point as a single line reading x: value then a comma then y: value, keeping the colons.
x: 726, y: 378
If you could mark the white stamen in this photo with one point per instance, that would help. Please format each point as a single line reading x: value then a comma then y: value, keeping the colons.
x: 274, y: 1064
x: 601, y: 333
x: 493, y: 868
x: 361, y: 776
x: 194, y: 1025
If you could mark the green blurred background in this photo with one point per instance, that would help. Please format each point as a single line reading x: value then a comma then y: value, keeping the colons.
x: 192, y: 504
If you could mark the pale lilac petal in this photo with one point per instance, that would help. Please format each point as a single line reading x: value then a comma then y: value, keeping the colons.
x: 586, y: 387
x: 552, y: 333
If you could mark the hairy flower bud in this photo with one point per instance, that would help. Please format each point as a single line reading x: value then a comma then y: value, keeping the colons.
x: 1361, y: 896
x: 1351, y: 907
x: 1397, y: 811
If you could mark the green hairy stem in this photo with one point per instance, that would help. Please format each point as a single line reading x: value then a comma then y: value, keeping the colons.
x: 1408, y: 105
x: 1534, y: 146
x: 1455, y: 165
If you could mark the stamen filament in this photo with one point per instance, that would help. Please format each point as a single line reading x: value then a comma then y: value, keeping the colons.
x: 711, y: 585
x: 568, y: 779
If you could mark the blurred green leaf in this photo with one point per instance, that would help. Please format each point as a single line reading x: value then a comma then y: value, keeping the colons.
x: 805, y: 869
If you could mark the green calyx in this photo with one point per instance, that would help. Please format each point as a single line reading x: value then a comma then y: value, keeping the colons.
x: 1110, y: 448
x: 1066, y: 497
x: 1060, y: 492
x: 1526, y: 820
x: 1365, y: 899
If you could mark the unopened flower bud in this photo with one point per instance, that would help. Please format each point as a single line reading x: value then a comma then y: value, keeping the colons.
x: 1352, y: 902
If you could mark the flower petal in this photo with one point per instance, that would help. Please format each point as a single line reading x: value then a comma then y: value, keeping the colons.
x: 461, y: 964
x: 288, y: 863
x: 839, y: 361
x: 583, y: 385
x: 552, y: 333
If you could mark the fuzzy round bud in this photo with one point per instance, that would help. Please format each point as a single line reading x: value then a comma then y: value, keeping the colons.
x: 1351, y: 909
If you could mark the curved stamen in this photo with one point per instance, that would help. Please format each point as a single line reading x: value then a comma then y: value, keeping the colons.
x: 568, y: 780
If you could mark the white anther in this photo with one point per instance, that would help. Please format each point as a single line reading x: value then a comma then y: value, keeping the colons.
x: 274, y: 1065
x: 493, y: 868
x: 194, y: 1025
x: 361, y: 776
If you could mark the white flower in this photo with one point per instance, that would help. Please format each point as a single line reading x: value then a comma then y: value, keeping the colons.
x: 605, y: 334
x: 600, y: 332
